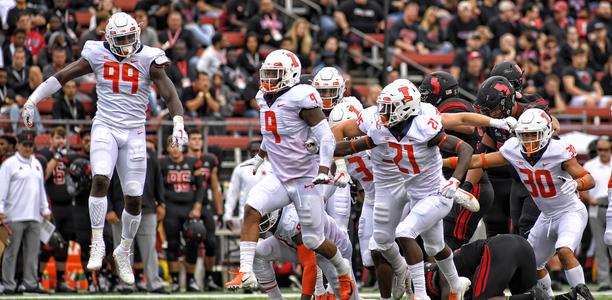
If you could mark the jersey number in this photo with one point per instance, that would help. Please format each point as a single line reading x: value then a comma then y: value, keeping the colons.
x: 536, y: 183
x: 270, y: 125
x: 400, y: 153
x: 181, y: 180
x: 367, y: 175
x: 59, y: 176
x: 116, y: 72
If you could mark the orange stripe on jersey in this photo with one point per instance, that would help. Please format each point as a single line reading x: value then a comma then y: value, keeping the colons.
x: 353, y: 146
x: 458, y: 146
x: 443, y: 139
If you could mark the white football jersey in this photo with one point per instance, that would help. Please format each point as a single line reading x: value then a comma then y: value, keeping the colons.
x: 289, y: 226
x: 542, y: 179
x: 407, y: 157
x: 123, y: 86
x: 360, y: 167
x: 284, y: 132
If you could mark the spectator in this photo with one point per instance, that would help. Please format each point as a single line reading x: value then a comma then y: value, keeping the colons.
x: 249, y: 59
x: 433, y: 33
x: 18, y: 72
x: 64, y: 10
x: 223, y: 94
x: 300, y: 36
x: 103, y: 6
x: 179, y: 71
x: 475, y: 42
x: 175, y: 32
x: 18, y: 41
x: 601, y: 47
x: 488, y: 10
x: 364, y: 15
x: 7, y: 147
x: 600, y: 168
x: 98, y: 33
x: 507, y: 49
x: 349, y: 90
x: 325, y: 17
x: 531, y: 20
x: 373, y: 92
x: 248, y: 94
x: 580, y: 83
x: 506, y: 22
x: 240, y: 184
x: 58, y: 62
x: 546, y: 68
x: 148, y: 35
x: 473, y: 76
x: 7, y: 95
x: 558, y: 24
x: 267, y: 24
x: 602, y: 15
x: 407, y: 33
x: 57, y: 40
x: 198, y: 100
x: 570, y: 44
x: 328, y: 59
x: 35, y: 78
x: 606, y: 81
x: 34, y: 41
x: 12, y: 17
x: 527, y: 46
x: 213, y: 59
x: 551, y: 92
x: 238, y: 13
x: 203, y: 32
x: 462, y: 25
x: 68, y: 107
x: 23, y: 203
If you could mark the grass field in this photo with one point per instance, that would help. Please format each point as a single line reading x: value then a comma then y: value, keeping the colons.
x: 212, y: 296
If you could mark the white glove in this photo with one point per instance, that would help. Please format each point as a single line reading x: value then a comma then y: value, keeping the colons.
x: 342, y: 178
x: 312, y: 146
x: 506, y: 124
x: 322, y: 179
x: 569, y: 186
x: 28, y: 113
x: 255, y: 162
x: 449, y: 187
x: 179, y: 135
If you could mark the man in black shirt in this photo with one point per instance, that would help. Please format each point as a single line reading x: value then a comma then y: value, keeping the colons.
x: 184, y: 195
x: 407, y: 33
x: 506, y: 22
x: 238, y: 13
x: 60, y: 199
x: 579, y: 82
x: 462, y: 25
x: 364, y: 15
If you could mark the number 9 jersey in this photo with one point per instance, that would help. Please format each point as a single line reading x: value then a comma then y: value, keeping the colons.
x: 542, y: 178
x: 123, y: 86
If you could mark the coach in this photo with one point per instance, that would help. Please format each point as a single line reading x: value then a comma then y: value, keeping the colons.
x: 22, y: 203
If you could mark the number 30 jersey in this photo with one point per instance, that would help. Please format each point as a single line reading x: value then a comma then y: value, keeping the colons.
x: 285, y: 133
x: 406, y: 157
x: 542, y: 179
x: 123, y: 86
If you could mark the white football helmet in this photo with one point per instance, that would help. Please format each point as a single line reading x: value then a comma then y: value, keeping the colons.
x: 269, y: 220
x: 330, y: 84
x: 280, y: 70
x: 398, y: 101
x: 534, y: 130
x: 122, y: 34
x: 344, y: 111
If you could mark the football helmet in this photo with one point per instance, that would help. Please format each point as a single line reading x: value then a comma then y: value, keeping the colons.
x: 344, y: 111
x: 330, y: 85
x: 511, y: 71
x: 194, y: 230
x: 398, y: 101
x: 534, y: 130
x: 496, y: 97
x: 268, y: 221
x: 438, y: 86
x: 281, y: 69
x: 122, y: 34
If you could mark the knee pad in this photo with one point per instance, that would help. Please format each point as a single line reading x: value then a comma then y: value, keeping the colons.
x: 312, y: 241
x: 133, y: 188
x: 382, y: 240
x: 608, y: 238
x: 263, y: 249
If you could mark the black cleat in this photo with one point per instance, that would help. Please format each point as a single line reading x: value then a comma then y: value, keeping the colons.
x: 582, y: 292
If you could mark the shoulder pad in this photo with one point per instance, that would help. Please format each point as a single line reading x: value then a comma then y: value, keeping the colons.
x: 162, y: 60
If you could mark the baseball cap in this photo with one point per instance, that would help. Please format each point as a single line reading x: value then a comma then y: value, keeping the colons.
x: 560, y: 5
x: 26, y: 137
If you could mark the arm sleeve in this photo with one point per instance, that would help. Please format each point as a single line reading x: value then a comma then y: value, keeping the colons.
x: 327, y: 142
x: 233, y: 192
x: 200, y: 193
x: 5, y: 174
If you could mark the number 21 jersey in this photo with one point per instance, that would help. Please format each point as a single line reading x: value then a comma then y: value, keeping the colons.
x: 123, y: 86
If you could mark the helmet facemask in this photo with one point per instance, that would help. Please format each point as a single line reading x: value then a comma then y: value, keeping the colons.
x: 126, y: 44
x: 268, y: 221
x: 532, y: 141
x: 393, y: 113
x: 330, y: 96
x: 271, y: 79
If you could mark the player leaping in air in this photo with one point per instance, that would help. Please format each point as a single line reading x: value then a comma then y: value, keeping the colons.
x: 124, y: 69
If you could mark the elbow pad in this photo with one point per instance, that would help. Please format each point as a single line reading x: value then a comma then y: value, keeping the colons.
x: 327, y: 143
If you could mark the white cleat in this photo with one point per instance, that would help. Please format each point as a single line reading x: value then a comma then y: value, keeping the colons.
x: 243, y: 280
x: 464, y: 284
x: 466, y: 200
x: 96, y: 255
x: 122, y: 260
x: 399, y: 283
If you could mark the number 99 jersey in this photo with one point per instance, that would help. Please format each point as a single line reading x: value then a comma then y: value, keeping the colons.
x: 285, y: 133
x: 542, y: 178
x: 123, y: 86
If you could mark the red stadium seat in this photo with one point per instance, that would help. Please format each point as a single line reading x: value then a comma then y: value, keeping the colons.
x: 590, y: 112
x: 379, y: 37
x: 242, y: 128
x: 429, y: 59
x: 42, y: 140
x: 45, y: 106
x: 235, y: 39
x: 88, y: 106
x: 214, y: 21
x: 75, y: 141
x: 83, y: 18
x: 239, y: 107
x: 87, y: 87
x: 126, y: 5
x: 228, y: 142
x: 363, y: 90
x: 5, y: 125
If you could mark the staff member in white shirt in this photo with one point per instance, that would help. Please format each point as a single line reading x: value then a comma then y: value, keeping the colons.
x: 23, y: 205
x: 241, y: 183
x: 600, y: 168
